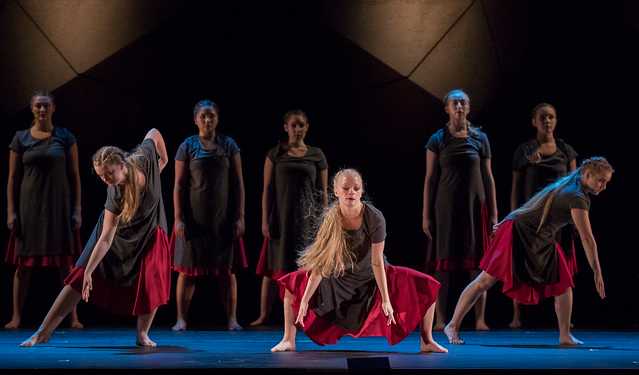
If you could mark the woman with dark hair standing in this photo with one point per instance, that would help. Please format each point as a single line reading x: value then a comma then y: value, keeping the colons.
x: 524, y: 254
x: 294, y: 193
x: 125, y: 266
x: 459, y: 201
x: 537, y: 163
x: 208, y: 201
x: 43, y: 202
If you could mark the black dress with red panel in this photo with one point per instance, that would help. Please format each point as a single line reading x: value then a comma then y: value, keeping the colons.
x: 528, y: 259
x: 460, y: 216
x: 134, y: 277
x: 351, y: 304
x: 43, y: 235
x: 209, y: 246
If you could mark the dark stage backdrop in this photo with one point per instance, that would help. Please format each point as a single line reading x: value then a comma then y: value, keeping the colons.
x: 258, y: 61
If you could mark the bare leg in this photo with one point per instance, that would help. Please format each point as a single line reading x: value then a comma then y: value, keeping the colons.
x: 144, y: 324
x: 264, y: 302
x: 75, y: 320
x: 21, y: 279
x: 228, y: 291
x: 516, y: 322
x: 426, y: 342
x: 62, y: 306
x: 288, y: 341
x: 480, y: 311
x: 183, y: 294
x: 440, y: 308
x: 563, y: 309
x: 467, y: 299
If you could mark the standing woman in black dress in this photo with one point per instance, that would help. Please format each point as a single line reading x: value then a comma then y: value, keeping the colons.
x: 345, y: 286
x: 126, y: 265
x: 295, y: 192
x: 459, y: 200
x: 43, y: 202
x: 208, y: 201
x: 537, y: 163
x: 524, y: 254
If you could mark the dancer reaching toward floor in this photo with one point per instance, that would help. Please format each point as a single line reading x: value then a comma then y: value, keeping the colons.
x: 125, y: 265
x: 345, y: 286
x: 524, y: 254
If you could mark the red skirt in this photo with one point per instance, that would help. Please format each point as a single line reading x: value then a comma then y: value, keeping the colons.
x: 498, y: 262
x: 411, y: 294
x: 261, y: 268
x: 150, y: 290
x: 60, y: 261
x: 240, y: 261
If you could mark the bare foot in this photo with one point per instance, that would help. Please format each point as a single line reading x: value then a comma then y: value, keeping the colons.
x: 13, y: 324
x: 75, y: 324
x: 284, y: 346
x: 481, y: 326
x: 569, y: 340
x: 144, y: 340
x: 453, y: 335
x: 180, y: 325
x: 438, y: 326
x: 431, y: 347
x: 515, y: 324
x: 233, y: 325
x: 258, y: 322
x: 35, y: 339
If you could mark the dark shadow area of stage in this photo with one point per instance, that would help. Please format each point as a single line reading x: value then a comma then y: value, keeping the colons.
x: 519, y: 351
x: 258, y: 60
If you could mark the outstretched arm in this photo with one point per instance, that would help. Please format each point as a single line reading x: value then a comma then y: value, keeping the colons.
x: 156, y: 137
x: 582, y: 222
x: 313, y: 282
x: 103, y: 245
x: 379, y: 270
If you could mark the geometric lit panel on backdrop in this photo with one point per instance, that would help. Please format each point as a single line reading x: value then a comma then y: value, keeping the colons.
x: 399, y: 33
x: 466, y: 58
x: 28, y: 61
x: 89, y: 31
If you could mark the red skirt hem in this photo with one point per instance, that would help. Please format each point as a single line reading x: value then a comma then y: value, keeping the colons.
x: 59, y: 261
x: 498, y: 262
x: 411, y: 294
x: 240, y: 261
x: 150, y: 289
x: 467, y: 263
x: 261, y: 270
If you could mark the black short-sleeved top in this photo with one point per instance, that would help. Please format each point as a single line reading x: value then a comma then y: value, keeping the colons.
x: 539, y: 174
x: 346, y: 300
x: 534, y: 253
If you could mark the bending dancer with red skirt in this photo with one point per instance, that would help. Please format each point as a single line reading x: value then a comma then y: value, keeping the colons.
x: 345, y: 286
x: 525, y: 256
x: 125, y: 265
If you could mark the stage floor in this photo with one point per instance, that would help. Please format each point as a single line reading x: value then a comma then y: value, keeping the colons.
x: 97, y: 348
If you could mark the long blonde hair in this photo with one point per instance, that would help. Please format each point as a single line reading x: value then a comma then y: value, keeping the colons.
x: 545, y: 197
x: 329, y: 254
x: 111, y: 155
